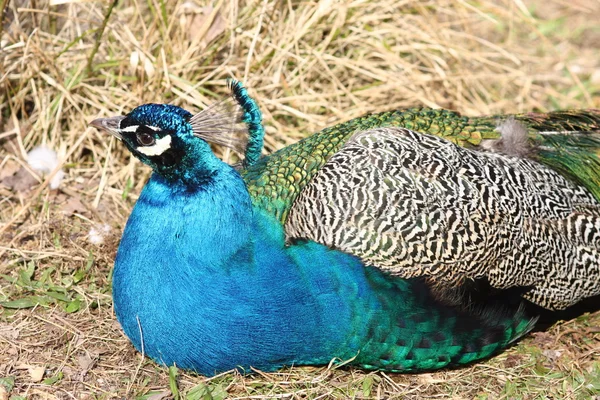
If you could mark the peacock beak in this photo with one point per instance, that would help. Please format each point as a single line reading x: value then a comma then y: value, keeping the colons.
x: 111, y: 125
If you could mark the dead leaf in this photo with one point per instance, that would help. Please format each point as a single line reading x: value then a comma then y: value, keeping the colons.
x: 138, y: 58
x: 9, y: 332
x: 3, y: 393
x: 69, y: 372
x: 71, y: 206
x: 595, y: 78
x: 21, y: 181
x: 513, y: 360
x: 542, y: 339
x: 552, y: 355
x: 429, y: 378
x: 36, y: 373
x: 148, y: 67
x: 9, y: 169
x: 11, y: 144
x: 160, y: 396
x: 85, y: 362
x: 216, y: 28
x: 196, y: 20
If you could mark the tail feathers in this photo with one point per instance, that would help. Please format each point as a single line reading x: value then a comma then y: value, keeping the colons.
x: 566, y: 122
x: 524, y: 329
x: 470, y: 339
x: 566, y: 141
x: 569, y: 142
x: 576, y: 156
x: 431, y: 334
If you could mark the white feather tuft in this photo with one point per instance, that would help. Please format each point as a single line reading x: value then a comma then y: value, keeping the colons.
x: 44, y: 160
x: 515, y: 138
x: 98, y: 233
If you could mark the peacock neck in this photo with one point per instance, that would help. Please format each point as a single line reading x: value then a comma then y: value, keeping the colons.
x: 216, y: 216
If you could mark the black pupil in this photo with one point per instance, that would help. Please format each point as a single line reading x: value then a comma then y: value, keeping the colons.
x: 145, y: 139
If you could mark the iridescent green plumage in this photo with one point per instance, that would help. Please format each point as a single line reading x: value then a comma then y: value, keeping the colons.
x: 275, y: 181
x: 493, y: 213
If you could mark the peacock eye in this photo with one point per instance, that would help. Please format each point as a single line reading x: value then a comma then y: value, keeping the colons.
x: 145, y: 139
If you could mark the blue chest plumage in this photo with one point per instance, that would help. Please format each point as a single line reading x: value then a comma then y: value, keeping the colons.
x: 205, y: 282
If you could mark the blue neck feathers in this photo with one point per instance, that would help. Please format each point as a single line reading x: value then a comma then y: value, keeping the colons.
x: 204, y: 281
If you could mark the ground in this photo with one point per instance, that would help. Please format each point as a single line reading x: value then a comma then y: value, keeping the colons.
x: 309, y: 64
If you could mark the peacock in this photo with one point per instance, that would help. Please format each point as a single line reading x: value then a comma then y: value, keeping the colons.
x: 356, y: 244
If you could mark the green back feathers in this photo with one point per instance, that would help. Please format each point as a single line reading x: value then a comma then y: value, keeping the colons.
x: 567, y: 141
x: 275, y: 181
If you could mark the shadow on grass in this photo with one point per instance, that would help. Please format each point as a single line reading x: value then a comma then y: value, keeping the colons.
x: 549, y: 318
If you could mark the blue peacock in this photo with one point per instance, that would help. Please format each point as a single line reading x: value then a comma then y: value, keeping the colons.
x: 360, y: 243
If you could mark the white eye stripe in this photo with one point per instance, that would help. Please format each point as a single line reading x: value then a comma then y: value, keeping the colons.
x: 163, y: 144
x: 134, y: 128
x: 131, y: 128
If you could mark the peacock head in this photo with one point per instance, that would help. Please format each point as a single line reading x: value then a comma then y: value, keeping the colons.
x: 175, y: 143
x: 152, y: 132
x: 161, y: 136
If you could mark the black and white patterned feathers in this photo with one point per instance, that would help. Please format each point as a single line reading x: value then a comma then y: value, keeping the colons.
x: 418, y: 205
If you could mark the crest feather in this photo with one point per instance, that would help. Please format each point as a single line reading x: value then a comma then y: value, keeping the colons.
x: 222, y: 123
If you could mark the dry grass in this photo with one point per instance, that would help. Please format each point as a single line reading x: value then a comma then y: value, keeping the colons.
x: 309, y: 64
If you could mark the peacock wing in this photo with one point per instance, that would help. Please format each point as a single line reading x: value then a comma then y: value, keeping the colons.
x: 418, y: 205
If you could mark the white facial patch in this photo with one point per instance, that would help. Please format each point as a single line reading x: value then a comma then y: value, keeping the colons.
x: 163, y: 144
x: 132, y: 128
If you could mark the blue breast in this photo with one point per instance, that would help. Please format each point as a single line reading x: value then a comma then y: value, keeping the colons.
x: 205, y: 282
